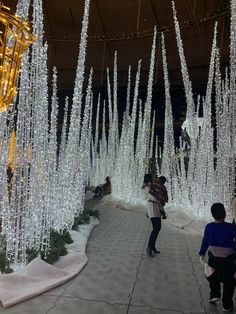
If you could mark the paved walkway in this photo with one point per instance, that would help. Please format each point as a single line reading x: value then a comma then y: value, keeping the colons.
x: 120, y: 278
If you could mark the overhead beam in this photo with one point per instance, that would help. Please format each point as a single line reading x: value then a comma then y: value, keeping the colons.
x: 138, y: 16
x: 105, y: 46
x: 193, y: 17
x: 134, y: 36
x: 194, y: 7
x: 154, y: 13
x: 204, y: 66
x: 222, y: 7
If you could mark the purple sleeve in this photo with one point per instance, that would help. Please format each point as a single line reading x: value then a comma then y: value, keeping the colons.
x: 205, y: 242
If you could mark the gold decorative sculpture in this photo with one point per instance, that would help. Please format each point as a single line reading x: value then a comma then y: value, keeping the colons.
x: 15, y: 38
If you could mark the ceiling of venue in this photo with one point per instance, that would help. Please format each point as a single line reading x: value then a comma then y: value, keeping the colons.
x: 126, y: 26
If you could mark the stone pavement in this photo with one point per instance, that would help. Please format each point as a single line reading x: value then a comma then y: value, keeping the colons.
x: 121, y: 279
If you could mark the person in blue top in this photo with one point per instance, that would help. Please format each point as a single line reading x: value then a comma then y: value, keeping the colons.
x: 219, y: 241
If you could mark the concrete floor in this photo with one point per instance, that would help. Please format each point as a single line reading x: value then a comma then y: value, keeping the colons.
x: 120, y: 278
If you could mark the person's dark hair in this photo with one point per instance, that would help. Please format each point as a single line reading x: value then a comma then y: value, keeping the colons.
x: 162, y: 179
x: 107, y: 179
x: 147, y: 178
x: 218, y: 211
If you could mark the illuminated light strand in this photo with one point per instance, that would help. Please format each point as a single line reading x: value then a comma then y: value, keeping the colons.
x: 38, y: 181
x: 168, y: 162
x: 200, y: 176
x: 232, y: 93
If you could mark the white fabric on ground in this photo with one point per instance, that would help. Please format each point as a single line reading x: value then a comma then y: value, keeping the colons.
x: 38, y: 276
x: 177, y: 216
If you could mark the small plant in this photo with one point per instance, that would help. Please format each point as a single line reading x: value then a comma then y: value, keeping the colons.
x: 84, y: 217
x: 4, y: 263
x: 56, y: 247
x: 76, y: 223
x: 94, y: 213
x: 51, y: 256
x: 66, y: 236
x: 31, y: 254
x: 2, y: 243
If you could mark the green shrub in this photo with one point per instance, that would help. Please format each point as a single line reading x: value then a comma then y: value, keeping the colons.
x: 66, y: 236
x: 84, y: 217
x: 3, y: 243
x: 57, y: 243
x: 31, y: 254
x: 94, y: 213
x: 52, y: 255
x: 56, y: 247
x: 4, y: 263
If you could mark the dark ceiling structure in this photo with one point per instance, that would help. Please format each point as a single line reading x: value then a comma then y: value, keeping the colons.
x: 126, y: 26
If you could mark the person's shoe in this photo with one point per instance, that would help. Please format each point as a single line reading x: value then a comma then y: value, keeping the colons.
x: 156, y: 251
x: 228, y: 310
x: 213, y: 300
x: 149, y: 252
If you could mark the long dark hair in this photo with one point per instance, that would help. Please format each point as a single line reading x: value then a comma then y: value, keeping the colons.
x: 147, y: 178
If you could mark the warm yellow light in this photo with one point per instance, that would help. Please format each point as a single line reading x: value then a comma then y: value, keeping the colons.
x: 4, y: 7
x: 14, y: 40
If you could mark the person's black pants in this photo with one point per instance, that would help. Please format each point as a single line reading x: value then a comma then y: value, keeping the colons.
x: 224, y: 272
x: 98, y: 191
x: 156, y: 227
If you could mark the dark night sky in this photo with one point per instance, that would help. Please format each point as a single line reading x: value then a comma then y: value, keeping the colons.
x: 158, y: 101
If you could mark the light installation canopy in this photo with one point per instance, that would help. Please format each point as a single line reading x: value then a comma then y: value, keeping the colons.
x: 127, y: 26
